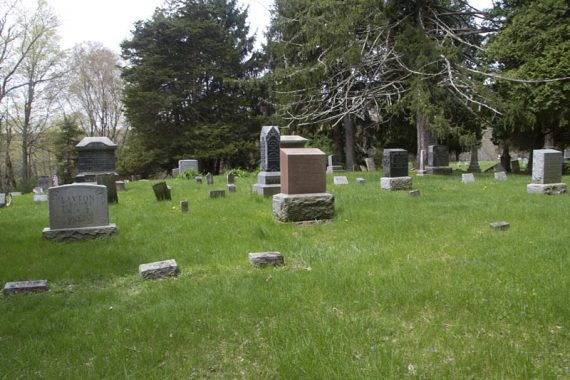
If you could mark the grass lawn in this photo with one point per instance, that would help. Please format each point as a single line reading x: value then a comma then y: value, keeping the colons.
x: 394, y: 287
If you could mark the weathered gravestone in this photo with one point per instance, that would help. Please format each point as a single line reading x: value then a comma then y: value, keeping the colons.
x: 500, y: 226
x: 414, y: 193
x: 340, y: 180
x: 467, y: 178
x: 268, y: 180
x: 161, y: 191
x: 184, y: 165
x: 109, y: 181
x: 370, y: 165
x: 501, y: 176
x: 184, y: 206
x: 303, y: 194
x: 515, y: 166
x: 209, y: 179
x: 547, y: 172
x: 265, y: 259
x: 231, y: 178
x: 198, y: 179
x: 360, y: 181
x: 395, y: 163
x: 175, y: 172
x: 158, y: 269
x: 334, y: 164
x: 78, y: 212
x: 438, y: 160
x: 33, y: 286
x: 95, y: 155
x: 217, y: 193
x: 5, y: 200
x: 38, y: 198
x: 422, y: 169
x: 120, y: 185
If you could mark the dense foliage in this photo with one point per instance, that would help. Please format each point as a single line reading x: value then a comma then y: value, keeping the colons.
x: 184, y: 94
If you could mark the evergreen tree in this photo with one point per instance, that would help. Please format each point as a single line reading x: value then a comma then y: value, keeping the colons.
x: 185, y: 95
x: 66, y: 139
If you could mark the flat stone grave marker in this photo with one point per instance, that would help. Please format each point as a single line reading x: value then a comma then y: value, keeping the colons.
x: 77, y: 212
x: 16, y: 193
x: 40, y: 198
x: 217, y: 193
x: 25, y: 287
x: 468, y: 178
x: 360, y: 181
x: 264, y: 259
x: 158, y: 269
x: 161, y: 191
x: 210, y: 179
x: 198, y: 179
x: 184, y: 206
x: 340, y: 180
x: 500, y: 226
x: 38, y: 190
x: 501, y: 176
x: 414, y: 193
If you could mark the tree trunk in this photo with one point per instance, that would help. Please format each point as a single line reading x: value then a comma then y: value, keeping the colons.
x: 424, y: 136
x: 348, y: 142
x: 337, y: 141
x: 506, y: 159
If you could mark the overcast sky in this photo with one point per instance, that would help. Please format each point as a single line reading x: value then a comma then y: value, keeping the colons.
x: 110, y: 21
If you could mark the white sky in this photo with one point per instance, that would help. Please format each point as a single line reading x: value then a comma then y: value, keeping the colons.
x: 110, y: 21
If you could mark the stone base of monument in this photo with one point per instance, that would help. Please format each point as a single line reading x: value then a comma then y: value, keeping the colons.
x: 303, y: 207
x: 335, y: 169
x: 550, y: 188
x: 439, y: 170
x: 83, y: 233
x: 268, y: 184
x: 396, y: 183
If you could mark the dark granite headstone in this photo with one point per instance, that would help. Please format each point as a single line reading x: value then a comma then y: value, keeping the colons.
x: 217, y: 193
x: 161, y: 191
x: 231, y: 178
x: 109, y: 181
x: 95, y: 155
x: 438, y: 155
x: 269, y: 148
x: 395, y: 163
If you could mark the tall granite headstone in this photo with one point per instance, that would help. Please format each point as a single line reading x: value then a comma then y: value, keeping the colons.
x: 78, y: 212
x: 95, y: 155
x: 395, y: 164
x: 438, y: 160
x: 547, y: 172
x: 268, y: 180
x: 303, y: 194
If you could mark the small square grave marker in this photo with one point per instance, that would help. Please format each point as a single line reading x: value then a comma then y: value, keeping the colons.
x: 501, y: 176
x: 159, y: 269
x: 360, y: 181
x: 198, y: 179
x: 414, y: 193
x: 468, y: 178
x: 231, y: 188
x: 264, y: 259
x: 184, y: 206
x: 500, y: 226
x: 340, y: 180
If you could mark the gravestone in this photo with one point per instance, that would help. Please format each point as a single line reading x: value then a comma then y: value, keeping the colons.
x: 158, y: 269
x: 198, y: 179
x: 500, y: 226
x: 95, y: 155
x: 265, y: 259
x: 515, y: 166
x: 334, y: 164
x: 210, y: 179
x: 414, y: 193
x: 547, y: 172
x: 340, y: 180
x: 109, y: 181
x: 370, y: 165
x: 43, y: 182
x: 438, y: 160
x: 268, y: 180
x: 38, y: 190
x: 363, y: 168
x: 231, y: 178
x: 38, y: 198
x: 303, y: 194
x: 175, y: 172
x: 78, y: 212
x: 567, y: 154
x: 501, y: 176
x: 184, y: 165
x: 184, y: 206
x: 120, y: 185
x: 161, y: 191
x: 55, y: 180
x: 360, y: 181
x: 395, y: 164
x: 231, y: 188
x: 217, y: 193
x: 422, y: 169
x: 5, y: 200
x: 467, y: 178
x: 292, y: 141
x: 33, y: 286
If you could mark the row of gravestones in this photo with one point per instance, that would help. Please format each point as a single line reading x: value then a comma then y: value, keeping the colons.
x: 149, y: 271
x: 163, y: 192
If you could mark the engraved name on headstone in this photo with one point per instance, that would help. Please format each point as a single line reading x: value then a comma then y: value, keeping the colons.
x: 78, y: 205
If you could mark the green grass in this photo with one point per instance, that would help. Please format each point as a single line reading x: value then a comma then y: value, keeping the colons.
x: 393, y: 287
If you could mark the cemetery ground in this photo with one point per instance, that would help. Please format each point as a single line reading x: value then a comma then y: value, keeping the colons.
x: 394, y: 287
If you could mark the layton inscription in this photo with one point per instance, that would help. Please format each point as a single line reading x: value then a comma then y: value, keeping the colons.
x: 78, y: 205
